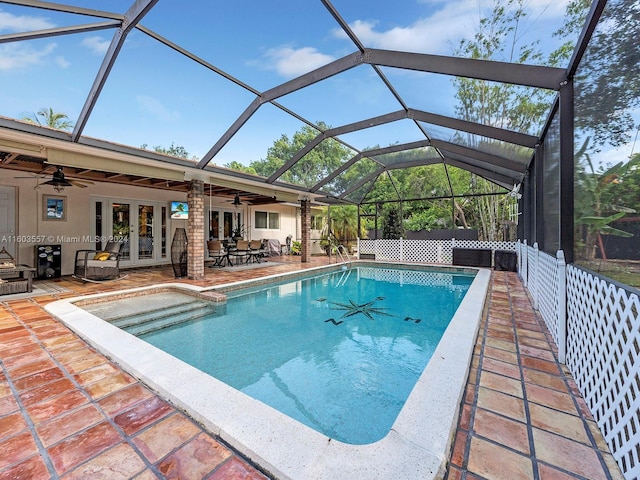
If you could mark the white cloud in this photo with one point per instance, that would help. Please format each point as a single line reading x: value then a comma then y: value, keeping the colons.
x: 155, y: 108
x: 62, y: 62
x: 291, y: 62
x: 19, y: 56
x: 22, y: 23
x: 442, y: 30
x: 97, y: 45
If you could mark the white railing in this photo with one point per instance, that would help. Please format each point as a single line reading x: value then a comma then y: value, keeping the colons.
x: 596, y: 326
x: 423, y: 251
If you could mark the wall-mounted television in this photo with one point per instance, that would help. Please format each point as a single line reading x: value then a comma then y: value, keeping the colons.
x: 179, y: 210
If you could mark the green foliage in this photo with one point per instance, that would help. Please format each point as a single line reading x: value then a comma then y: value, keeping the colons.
x: 51, y: 119
x: 174, y: 150
x: 239, y: 167
x: 391, y: 225
x: 322, y: 160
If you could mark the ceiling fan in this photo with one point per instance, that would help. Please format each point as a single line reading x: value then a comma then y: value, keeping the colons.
x: 236, y: 201
x: 59, y: 182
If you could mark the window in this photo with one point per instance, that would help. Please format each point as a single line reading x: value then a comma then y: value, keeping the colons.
x: 268, y: 220
x: 317, y: 222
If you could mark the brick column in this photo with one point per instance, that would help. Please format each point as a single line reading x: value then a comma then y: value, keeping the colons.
x: 305, y: 211
x: 195, y: 230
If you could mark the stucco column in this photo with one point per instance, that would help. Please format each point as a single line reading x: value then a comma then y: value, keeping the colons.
x: 195, y: 230
x: 305, y: 212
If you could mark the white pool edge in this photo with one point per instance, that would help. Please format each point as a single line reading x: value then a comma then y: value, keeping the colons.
x: 418, y: 445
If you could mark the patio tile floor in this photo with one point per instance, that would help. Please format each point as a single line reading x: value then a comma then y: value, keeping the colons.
x: 67, y: 412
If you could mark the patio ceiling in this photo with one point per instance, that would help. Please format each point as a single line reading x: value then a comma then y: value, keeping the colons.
x: 426, y: 136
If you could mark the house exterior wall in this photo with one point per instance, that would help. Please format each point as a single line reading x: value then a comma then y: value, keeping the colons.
x: 74, y: 233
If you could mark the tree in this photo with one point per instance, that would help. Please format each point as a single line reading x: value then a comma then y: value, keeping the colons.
x: 322, y: 160
x: 174, y: 150
x: 496, y: 104
x: 51, y: 119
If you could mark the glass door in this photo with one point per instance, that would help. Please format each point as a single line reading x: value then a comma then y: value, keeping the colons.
x: 121, y: 226
x: 145, y: 232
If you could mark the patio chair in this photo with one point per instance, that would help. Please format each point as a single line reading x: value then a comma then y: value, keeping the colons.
x: 99, y: 265
x: 256, y: 251
x: 241, y: 252
x: 217, y: 253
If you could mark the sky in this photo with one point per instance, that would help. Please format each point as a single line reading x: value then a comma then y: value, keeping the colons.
x: 155, y: 96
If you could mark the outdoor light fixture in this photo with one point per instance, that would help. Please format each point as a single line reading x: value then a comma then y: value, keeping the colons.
x: 58, y: 181
x: 236, y: 201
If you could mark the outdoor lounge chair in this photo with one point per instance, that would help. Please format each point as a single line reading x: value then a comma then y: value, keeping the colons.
x: 99, y: 265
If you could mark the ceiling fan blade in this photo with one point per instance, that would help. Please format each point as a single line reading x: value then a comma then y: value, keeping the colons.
x: 77, y: 183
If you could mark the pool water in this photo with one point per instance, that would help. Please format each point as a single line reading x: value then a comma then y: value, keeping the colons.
x: 339, y: 352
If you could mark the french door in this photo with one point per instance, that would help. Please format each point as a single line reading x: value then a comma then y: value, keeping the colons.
x: 141, y: 224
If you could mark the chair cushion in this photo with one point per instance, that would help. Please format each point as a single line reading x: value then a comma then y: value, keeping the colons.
x: 102, y: 256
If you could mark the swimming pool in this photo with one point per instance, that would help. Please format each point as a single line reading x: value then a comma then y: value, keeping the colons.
x: 339, y: 351
x: 416, y: 447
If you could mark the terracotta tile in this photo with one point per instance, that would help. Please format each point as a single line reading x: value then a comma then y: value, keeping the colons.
x: 23, y: 355
x: 547, y: 472
x: 47, y: 391
x: 465, y: 417
x: 236, y: 469
x: 33, y: 468
x: 557, y: 422
x: 79, y: 448
x: 85, y: 363
x: 8, y: 405
x: 124, y: 399
x: 118, y: 463
x: 502, y: 355
x: 551, y: 398
x: 567, y: 454
x: 17, y: 448
x: 543, y: 379
x: 75, y: 355
x: 538, y: 364
x: 501, y: 430
x: 38, y: 379
x: 54, y: 430
x: 109, y: 385
x: 31, y: 368
x: 500, y: 344
x: 57, y: 406
x: 492, y: 461
x: 166, y: 436
x: 60, y: 340
x: 541, y: 353
x: 12, y: 424
x: 501, y: 368
x: 92, y: 375
x: 501, y: 383
x: 453, y: 474
x: 458, y: 454
x: 532, y: 342
x: 501, y: 403
x: 146, y: 475
x: 143, y: 414
x: 196, y: 459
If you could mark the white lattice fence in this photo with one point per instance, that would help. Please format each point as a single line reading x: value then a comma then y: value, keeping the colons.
x: 423, y: 251
x: 603, y: 354
x: 429, y: 251
x: 547, y: 292
x: 482, y: 244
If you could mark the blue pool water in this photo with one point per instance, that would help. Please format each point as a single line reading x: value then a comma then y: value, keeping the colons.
x: 339, y: 352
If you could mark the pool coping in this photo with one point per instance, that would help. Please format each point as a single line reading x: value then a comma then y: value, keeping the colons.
x: 417, y: 446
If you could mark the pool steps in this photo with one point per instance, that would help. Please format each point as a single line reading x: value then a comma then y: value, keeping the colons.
x: 157, y: 319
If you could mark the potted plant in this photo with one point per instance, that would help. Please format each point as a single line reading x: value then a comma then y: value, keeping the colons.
x: 296, y: 247
x: 238, y: 232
